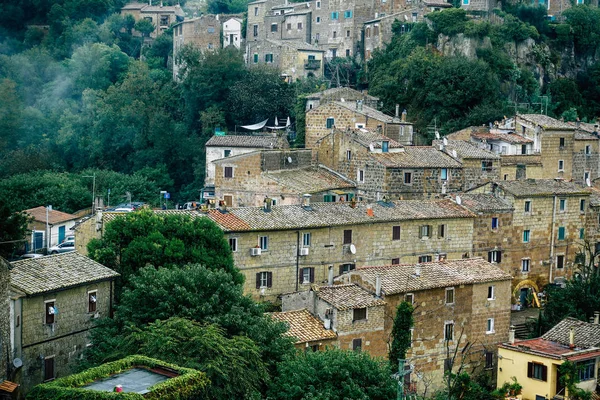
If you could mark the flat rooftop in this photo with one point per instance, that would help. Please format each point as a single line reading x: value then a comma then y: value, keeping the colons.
x: 136, y: 380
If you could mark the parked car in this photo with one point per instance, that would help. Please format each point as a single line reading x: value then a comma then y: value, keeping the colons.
x: 70, y: 238
x: 62, y: 248
x: 30, y: 255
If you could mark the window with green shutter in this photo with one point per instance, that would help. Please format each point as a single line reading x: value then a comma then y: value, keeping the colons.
x: 561, y: 233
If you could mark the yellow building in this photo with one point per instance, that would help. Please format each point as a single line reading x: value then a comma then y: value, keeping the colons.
x: 535, y: 362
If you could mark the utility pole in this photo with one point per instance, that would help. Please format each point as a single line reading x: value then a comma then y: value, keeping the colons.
x: 48, y: 209
x: 93, y: 191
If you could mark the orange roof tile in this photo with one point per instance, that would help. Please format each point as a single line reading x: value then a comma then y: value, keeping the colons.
x: 228, y: 220
x: 304, y: 326
x: 54, y: 216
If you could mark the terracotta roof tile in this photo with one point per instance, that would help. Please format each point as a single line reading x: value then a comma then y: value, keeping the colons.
x: 525, y: 159
x: 483, y: 203
x: 505, y: 137
x: 348, y: 296
x: 251, y: 141
x: 303, y: 326
x: 54, y: 216
x: 465, y: 149
x: 338, y: 93
x: 45, y: 274
x: 8, y: 387
x: 417, y: 157
x: 545, y: 121
x: 366, y: 111
x: 339, y: 214
x: 542, y: 187
x: 586, y: 334
x: 402, y: 278
x: 228, y: 221
x: 309, y: 180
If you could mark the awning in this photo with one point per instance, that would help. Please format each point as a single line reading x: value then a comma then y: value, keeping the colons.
x: 255, y: 127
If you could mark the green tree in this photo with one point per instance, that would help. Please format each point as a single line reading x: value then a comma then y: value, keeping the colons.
x: 145, y: 238
x: 226, y: 6
x: 13, y: 229
x: 10, y: 115
x: 449, y: 22
x: 333, y: 374
x: 401, y: 335
x: 569, y: 377
x: 585, y: 27
x: 145, y: 27
x: 233, y: 364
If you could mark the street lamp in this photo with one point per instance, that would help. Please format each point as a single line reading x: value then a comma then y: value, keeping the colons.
x: 93, y: 191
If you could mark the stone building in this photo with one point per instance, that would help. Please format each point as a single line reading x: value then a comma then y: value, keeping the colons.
x: 353, y: 314
x: 321, y: 120
x: 48, y: 228
x: 219, y: 147
x: 462, y: 304
x: 314, y: 100
x: 478, y: 165
x: 378, y: 31
x: 202, y: 33
x: 273, y: 246
x: 294, y: 59
x: 309, y: 331
x: 5, y: 355
x: 54, y: 301
x: 383, y: 168
x: 282, y: 177
x: 161, y: 16
x: 546, y: 231
x: 232, y: 32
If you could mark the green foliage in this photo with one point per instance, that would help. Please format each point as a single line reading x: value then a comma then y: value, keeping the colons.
x: 132, y: 241
x: 227, y: 6
x: 403, y: 321
x: 585, y: 27
x: 13, y: 228
x: 333, y: 374
x: 466, y: 387
x: 509, y: 389
x: 514, y: 30
x: 144, y: 26
x: 565, y: 95
x: 450, y: 22
x: 187, y: 385
x: 569, y: 377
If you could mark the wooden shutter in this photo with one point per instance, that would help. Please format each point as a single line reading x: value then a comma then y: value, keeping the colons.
x: 49, y: 317
x: 258, y: 280
x: 48, y: 369
x: 396, y: 233
x: 489, y: 256
x: 348, y: 236
x: 499, y: 257
x: 312, y: 275
x: 529, y: 369
x: 269, y: 279
x: 544, y: 373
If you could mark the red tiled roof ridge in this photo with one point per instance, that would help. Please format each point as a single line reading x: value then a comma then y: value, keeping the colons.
x: 444, y: 262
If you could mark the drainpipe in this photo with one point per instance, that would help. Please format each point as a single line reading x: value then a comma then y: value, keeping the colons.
x: 297, y: 259
x: 552, y: 240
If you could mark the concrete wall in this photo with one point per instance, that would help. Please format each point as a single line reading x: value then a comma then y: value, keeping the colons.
x: 66, y: 339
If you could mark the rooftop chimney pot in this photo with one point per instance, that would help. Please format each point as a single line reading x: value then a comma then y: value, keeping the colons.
x: 378, y: 285
x: 597, y: 317
x: 511, y: 334
x: 330, y: 277
x: 572, y: 337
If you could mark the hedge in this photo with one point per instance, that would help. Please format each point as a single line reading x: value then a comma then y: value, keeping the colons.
x: 189, y: 384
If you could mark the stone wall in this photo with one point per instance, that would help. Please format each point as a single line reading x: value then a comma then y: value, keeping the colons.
x: 426, y: 183
x: 66, y: 338
x: 91, y: 228
x: 585, y: 163
x: 215, y: 153
x: 473, y: 175
x: 508, y: 171
x: 5, y: 356
x: 552, y: 152
x: 373, y: 242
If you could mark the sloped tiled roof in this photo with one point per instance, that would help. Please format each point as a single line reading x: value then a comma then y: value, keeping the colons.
x: 108, y: 216
x: 259, y: 142
x: 582, y: 135
x: 334, y: 91
x: 339, y: 214
x: 483, y: 203
x: 366, y: 111
x: 585, y: 126
x: 366, y: 137
x: 45, y: 274
x: 303, y: 326
x: 524, y: 159
x: 54, y: 216
x: 417, y: 157
x: 228, y: 221
x: 586, y: 334
x: 402, y: 279
x: 308, y: 180
x: 465, y: 149
x: 546, y: 122
x: 348, y: 296
x: 542, y: 187
x: 505, y: 137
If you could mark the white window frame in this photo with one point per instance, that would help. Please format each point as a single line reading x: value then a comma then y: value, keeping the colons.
x: 530, y: 204
x: 263, y: 243
x: 305, y: 276
x: 444, y: 174
x: 446, y: 323
x: 425, y: 231
x: 233, y: 244
x: 45, y: 308
x: 561, y: 165
x: 493, y: 292
x: 360, y: 176
x: 562, y: 205
x: 306, y: 239
x: 348, y: 155
x: 232, y: 172
x: 525, y: 261
x: 494, y: 256
x: 412, y: 296
x: 95, y: 293
x: 450, y: 289
x: 489, y: 326
x: 264, y: 278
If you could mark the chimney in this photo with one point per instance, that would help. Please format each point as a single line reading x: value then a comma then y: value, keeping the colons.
x: 397, y: 115
x: 268, y: 203
x: 417, y: 270
x: 404, y: 115
x: 572, y: 338
x: 511, y: 334
x: 597, y: 317
x: 161, y: 3
x: 370, y: 211
x: 378, y: 285
x: 306, y: 201
x: 330, y: 277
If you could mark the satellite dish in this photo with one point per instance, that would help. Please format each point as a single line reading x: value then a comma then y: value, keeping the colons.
x: 437, y: 136
x: 352, y: 249
x: 290, y: 160
x: 458, y: 200
x: 18, y: 363
x: 371, y: 147
x: 445, y: 140
x: 342, y: 100
x: 587, y: 182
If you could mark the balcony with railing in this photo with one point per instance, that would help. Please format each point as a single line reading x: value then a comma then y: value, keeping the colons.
x: 312, y: 64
